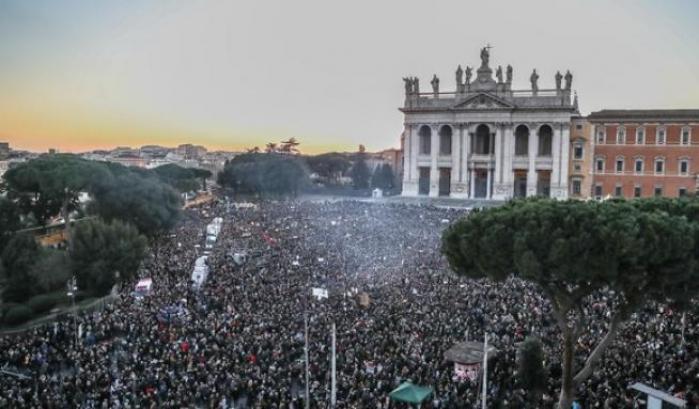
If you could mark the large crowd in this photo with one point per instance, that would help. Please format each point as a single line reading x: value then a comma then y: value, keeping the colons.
x: 238, y: 340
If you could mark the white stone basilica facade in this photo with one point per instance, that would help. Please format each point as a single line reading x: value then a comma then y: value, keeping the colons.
x: 486, y: 140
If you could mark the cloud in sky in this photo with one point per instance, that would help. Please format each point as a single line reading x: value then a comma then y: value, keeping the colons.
x: 78, y: 75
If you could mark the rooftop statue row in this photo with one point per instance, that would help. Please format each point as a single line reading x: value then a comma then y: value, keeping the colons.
x: 484, y: 80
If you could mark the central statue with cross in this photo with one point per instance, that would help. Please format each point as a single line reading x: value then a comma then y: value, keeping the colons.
x: 485, y: 56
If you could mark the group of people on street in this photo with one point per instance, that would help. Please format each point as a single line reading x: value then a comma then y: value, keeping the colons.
x: 237, y: 341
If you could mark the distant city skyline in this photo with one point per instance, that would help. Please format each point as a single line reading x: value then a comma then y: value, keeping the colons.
x: 79, y: 76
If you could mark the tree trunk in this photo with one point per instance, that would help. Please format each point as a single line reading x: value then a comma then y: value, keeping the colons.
x: 614, y: 327
x: 565, y: 400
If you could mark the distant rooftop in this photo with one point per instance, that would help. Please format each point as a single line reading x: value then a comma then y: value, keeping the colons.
x: 645, y: 114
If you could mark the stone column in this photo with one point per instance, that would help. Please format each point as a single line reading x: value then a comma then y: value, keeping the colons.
x: 472, y: 184
x: 497, y: 170
x: 504, y: 180
x: 509, y: 178
x: 533, y: 150
x: 489, y: 184
x: 466, y: 146
x: 434, y: 153
x: 556, y: 161
x: 410, y: 171
x: 407, y: 139
x: 565, y: 160
x: 458, y: 188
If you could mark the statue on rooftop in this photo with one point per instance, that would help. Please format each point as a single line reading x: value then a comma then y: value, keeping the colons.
x: 534, y: 78
x: 485, y: 56
x: 558, y: 80
x: 498, y: 74
x: 408, y: 85
x: 435, y: 84
x: 509, y: 74
x: 569, y: 80
x: 468, y: 75
x: 416, y: 85
x: 459, y: 77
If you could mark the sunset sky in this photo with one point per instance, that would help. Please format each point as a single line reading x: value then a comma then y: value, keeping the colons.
x: 80, y: 75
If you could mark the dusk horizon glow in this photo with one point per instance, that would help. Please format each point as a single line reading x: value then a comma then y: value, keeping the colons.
x: 79, y: 76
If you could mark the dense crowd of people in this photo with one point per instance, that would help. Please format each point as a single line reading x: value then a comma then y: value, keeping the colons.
x: 238, y: 341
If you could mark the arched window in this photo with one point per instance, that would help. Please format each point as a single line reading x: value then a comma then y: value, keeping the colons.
x: 482, y: 140
x: 619, y: 165
x: 660, y: 136
x: 545, y: 140
x: 686, y: 136
x: 620, y: 135
x: 522, y: 141
x: 640, y: 135
x: 638, y: 165
x: 425, y: 134
x: 659, y: 165
x: 445, y: 140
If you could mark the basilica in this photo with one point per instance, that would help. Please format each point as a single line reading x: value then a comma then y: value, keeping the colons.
x: 486, y: 140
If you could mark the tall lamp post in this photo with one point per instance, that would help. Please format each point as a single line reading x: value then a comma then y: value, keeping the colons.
x: 72, y: 289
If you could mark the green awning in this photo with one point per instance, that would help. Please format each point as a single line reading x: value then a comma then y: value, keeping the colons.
x: 407, y: 392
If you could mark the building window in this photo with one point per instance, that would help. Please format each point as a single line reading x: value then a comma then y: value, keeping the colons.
x: 638, y: 166
x: 445, y: 140
x: 545, y: 140
x: 578, y: 126
x: 600, y: 136
x: 684, y: 167
x: 637, y: 191
x: 686, y: 137
x: 599, y: 165
x: 660, y: 136
x: 640, y: 136
x: 620, y: 135
x: 682, y: 192
x: 578, y: 151
x: 659, y: 166
x: 521, y: 141
x: 598, y: 191
x: 658, y: 191
x: 577, y: 185
x: 425, y: 140
x: 620, y: 165
x: 618, y: 191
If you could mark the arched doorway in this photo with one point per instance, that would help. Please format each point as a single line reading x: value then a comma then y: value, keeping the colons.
x: 545, y: 140
x: 445, y: 133
x: 482, y: 145
x: 522, y: 141
x: 425, y: 134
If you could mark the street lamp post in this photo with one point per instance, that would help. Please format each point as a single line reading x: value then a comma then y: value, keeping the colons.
x: 72, y: 289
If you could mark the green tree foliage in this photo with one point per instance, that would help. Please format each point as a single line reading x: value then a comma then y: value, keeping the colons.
x: 360, y: 173
x: 531, y: 370
x: 17, y: 314
x: 50, y: 184
x: 50, y: 271
x: 182, y: 179
x: 329, y: 166
x: 573, y: 249
x: 18, y: 258
x: 203, y: 175
x: 382, y: 177
x: 137, y: 197
x: 9, y: 220
x: 101, y: 250
x: 264, y: 174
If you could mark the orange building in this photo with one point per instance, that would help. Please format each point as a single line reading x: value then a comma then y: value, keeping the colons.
x: 580, y: 163
x: 644, y: 153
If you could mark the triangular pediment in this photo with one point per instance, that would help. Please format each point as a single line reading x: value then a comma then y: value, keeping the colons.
x: 483, y: 100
